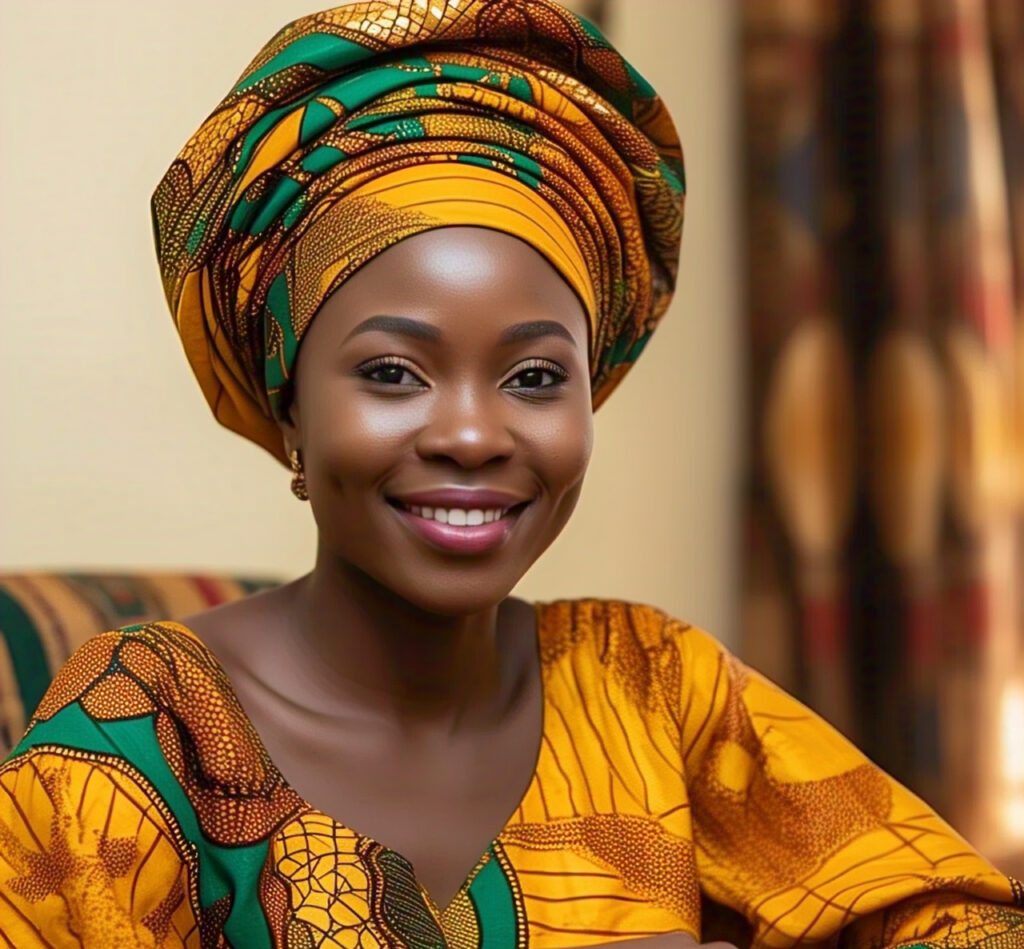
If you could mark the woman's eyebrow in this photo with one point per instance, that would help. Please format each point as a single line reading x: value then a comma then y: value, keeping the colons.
x: 402, y: 325
x: 418, y: 329
x: 534, y: 329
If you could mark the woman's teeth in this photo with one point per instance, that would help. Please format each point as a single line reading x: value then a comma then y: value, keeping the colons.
x: 457, y: 516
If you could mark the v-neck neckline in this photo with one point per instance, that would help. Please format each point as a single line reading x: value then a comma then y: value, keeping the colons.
x: 437, y: 911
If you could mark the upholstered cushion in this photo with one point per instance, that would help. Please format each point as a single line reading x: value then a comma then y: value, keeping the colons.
x: 44, y: 617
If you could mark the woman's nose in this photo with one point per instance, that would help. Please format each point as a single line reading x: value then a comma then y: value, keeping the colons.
x: 468, y: 427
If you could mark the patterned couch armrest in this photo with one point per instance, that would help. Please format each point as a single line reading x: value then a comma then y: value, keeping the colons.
x: 44, y: 617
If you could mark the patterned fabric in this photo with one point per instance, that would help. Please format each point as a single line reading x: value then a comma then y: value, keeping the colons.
x: 141, y: 809
x: 45, y: 617
x: 885, y: 256
x: 362, y: 125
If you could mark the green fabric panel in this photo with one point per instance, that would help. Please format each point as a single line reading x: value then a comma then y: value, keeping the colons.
x: 492, y: 898
x: 354, y: 89
x: 619, y: 351
x: 240, y: 215
x: 294, y: 212
x: 638, y: 347
x: 459, y: 72
x: 196, y: 235
x: 322, y: 158
x: 520, y: 88
x: 527, y: 167
x: 281, y: 194
x: 316, y: 120
x: 404, y: 127
x: 520, y: 164
x: 26, y: 649
x: 263, y: 125
x: 676, y: 177
x: 475, y: 160
x: 222, y: 870
x: 278, y: 308
x: 359, y: 88
x: 316, y: 49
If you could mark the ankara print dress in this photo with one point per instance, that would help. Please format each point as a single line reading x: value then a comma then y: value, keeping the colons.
x: 141, y: 809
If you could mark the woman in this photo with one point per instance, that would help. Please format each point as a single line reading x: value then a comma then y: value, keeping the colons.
x: 408, y: 254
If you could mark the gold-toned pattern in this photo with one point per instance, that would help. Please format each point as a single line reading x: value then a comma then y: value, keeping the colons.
x: 321, y: 863
x: 668, y: 775
x: 360, y: 126
x: 96, y: 854
x: 206, y: 738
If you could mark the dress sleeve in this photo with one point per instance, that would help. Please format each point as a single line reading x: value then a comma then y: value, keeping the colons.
x: 799, y: 832
x: 89, y: 854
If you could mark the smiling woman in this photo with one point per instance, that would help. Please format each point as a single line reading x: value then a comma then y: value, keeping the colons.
x: 408, y: 254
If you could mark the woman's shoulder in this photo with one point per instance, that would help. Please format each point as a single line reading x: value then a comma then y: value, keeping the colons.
x: 638, y: 648
x: 132, y: 672
x: 153, y: 701
x: 610, y: 623
x: 158, y: 682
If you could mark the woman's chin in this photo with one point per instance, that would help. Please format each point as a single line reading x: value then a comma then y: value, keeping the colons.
x: 452, y: 594
x: 456, y: 602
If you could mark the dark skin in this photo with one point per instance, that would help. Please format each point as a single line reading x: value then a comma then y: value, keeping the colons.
x: 397, y: 686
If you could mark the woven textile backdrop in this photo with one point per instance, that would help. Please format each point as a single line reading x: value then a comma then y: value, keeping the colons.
x: 885, y: 223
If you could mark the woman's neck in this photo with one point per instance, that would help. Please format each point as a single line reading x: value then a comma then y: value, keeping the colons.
x: 357, y: 648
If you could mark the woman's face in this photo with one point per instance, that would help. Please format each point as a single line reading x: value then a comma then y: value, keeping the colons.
x: 442, y: 410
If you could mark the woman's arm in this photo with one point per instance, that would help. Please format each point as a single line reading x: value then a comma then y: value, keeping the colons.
x: 86, y: 858
x: 90, y: 853
x: 799, y: 832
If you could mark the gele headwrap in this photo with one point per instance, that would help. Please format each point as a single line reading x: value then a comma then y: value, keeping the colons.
x: 367, y: 123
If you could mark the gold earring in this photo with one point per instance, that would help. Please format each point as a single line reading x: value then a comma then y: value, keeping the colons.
x: 299, y: 479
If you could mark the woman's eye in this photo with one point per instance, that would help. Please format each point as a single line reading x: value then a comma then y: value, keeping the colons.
x: 537, y: 377
x: 389, y: 373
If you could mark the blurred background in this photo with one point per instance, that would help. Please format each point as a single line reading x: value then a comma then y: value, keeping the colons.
x: 820, y: 457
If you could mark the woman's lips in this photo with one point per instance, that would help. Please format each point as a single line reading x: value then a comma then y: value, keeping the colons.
x: 475, y: 539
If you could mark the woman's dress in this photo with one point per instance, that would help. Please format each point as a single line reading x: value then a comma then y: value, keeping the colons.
x: 141, y: 809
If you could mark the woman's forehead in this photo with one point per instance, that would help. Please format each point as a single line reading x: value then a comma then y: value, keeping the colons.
x: 467, y: 276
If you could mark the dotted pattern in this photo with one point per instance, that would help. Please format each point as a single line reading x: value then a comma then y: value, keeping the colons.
x: 650, y: 863
x: 207, y: 739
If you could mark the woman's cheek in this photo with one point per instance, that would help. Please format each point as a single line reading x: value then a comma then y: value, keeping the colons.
x: 564, y: 453
x: 365, y: 438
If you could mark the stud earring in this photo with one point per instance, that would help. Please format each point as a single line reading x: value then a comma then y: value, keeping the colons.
x: 299, y: 476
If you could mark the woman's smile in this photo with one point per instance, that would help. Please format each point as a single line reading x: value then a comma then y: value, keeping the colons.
x: 461, y: 531
x: 460, y: 520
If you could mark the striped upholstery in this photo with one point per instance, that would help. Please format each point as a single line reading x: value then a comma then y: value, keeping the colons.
x: 44, y: 617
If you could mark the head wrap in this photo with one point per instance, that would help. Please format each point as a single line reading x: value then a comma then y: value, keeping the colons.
x: 362, y: 125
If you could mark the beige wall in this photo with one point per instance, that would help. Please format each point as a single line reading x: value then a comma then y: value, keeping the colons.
x: 110, y: 458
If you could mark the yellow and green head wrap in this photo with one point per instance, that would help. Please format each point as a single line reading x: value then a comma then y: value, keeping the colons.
x: 365, y: 124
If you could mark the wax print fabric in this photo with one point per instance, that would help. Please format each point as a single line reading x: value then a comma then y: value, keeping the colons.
x: 362, y: 125
x: 141, y: 809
